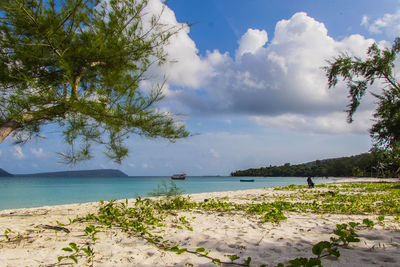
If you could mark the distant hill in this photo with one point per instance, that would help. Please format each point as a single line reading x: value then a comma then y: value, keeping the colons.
x: 83, y: 174
x: 3, y: 173
x: 359, y: 165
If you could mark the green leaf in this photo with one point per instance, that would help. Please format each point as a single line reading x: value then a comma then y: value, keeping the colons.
x: 319, y: 248
x: 234, y: 257
x: 60, y: 258
x: 247, y: 262
x: 298, y: 262
x: 369, y: 223
x: 353, y: 224
x: 60, y: 224
x: 183, y: 250
x: 314, y: 262
x: 67, y: 249
x: 73, y: 258
x: 304, y: 262
x: 200, y: 249
x: 333, y: 239
x: 335, y: 252
x: 88, y: 251
x: 74, y: 247
x: 216, y: 261
x: 175, y: 248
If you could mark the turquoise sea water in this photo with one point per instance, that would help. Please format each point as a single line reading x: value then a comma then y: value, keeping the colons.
x: 27, y: 192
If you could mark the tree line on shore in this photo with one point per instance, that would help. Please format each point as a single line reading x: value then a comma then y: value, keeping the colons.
x: 364, y: 165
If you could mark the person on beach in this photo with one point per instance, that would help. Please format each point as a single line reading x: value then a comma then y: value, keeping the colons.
x: 310, y: 182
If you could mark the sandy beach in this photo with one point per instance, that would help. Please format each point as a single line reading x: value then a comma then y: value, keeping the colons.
x: 30, y: 237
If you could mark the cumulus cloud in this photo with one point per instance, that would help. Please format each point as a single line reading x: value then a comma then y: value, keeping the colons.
x: 17, y: 152
x: 277, y: 78
x: 266, y: 78
x: 38, y: 152
x: 389, y: 24
x: 334, y: 122
x: 184, y: 66
x: 251, y: 42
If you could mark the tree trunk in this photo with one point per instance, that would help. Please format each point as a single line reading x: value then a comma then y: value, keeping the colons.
x: 48, y: 114
x: 7, y: 127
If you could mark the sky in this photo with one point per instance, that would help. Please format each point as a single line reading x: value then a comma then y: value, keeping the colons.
x: 246, y: 79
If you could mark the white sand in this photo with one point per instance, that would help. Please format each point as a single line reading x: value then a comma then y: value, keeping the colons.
x: 220, y: 233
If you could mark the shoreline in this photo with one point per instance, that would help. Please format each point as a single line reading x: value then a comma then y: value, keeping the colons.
x: 320, y: 180
x: 219, y: 232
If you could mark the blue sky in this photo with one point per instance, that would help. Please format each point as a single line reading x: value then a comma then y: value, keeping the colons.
x: 246, y: 79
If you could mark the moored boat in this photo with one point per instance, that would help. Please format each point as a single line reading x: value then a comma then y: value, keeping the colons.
x: 247, y: 180
x: 181, y: 176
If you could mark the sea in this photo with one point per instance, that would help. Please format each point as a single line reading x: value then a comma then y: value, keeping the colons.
x: 28, y: 192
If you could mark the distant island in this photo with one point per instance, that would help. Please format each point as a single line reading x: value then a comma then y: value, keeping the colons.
x: 82, y: 173
x: 3, y: 173
x: 363, y: 165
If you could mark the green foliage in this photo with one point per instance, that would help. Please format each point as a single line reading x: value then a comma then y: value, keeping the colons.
x: 81, y: 64
x: 368, y: 223
x: 304, y: 262
x: 360, y: 73
x: 247, y: 261
x: 144, y: 215
x: 91, y: 232
x: 76, y: 252
x: 319, y: 248
x: 178, y: 250
x: 216, y: 261
x: 11, y: 235
x: 345, y: 199
x: 234, y: 257
x: 380, y: 219
x: 360, y: 165
x: 275, y: 215
x: 167, y: 190
x: 345, y: 233
x: 202, y: 250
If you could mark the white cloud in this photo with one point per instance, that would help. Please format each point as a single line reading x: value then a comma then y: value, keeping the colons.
x: 365, y: 20
x: 332, y: 123
x: 389, y: 24
x: 38, y: 152
x: 145, y: 165
x: 131, y: 165
x: 214, y: 153
x: 252, y: 41
x: 17, y: 152
x: 263, y: 79
x: 283, y: 77
x: 184, y: 67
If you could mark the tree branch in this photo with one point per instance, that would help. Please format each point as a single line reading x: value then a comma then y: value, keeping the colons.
x: 7, y: 128
x: 47, y: 114
x: 37, y: 25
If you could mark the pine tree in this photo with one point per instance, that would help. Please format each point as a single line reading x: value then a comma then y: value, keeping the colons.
x: 80, y: 64
x: 359, y: 74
